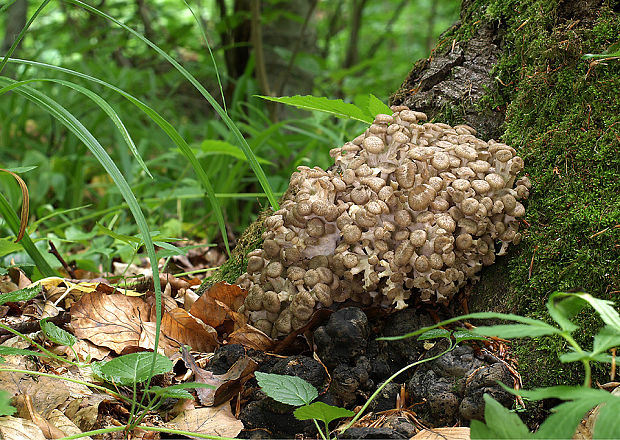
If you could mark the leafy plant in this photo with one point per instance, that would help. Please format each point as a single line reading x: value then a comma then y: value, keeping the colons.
x: 562, y: 307
x: 296, y: 391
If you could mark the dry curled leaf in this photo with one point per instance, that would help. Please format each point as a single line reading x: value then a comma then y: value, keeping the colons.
x: 218, y: 303
x: 226, y: 385
x: 112, y: 321
x: 182, y: 327
x: 26, y: 410
x: 251, y: 337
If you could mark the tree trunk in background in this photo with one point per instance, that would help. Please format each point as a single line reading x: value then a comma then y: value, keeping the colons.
x: 14, y: 23
x: 514, y: 71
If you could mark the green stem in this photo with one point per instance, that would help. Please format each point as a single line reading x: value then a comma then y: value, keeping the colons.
x: 587, y: 381
x: 40, y: 347
x: 69, y: 379
x: 319, y: 430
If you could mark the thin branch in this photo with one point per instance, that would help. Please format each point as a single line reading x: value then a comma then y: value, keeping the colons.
x: 257, y: 43
x: 395, y: 16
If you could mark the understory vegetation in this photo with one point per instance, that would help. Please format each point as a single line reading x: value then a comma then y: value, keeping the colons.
x: 147, y: 137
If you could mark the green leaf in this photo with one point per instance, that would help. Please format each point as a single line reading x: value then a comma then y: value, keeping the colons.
x: 170, y: 393
x: 181, y: 386
x: 608, y: 423
x: 563, y: 421
x: 435, y: 334
x: 5, y: 404
x: 56, y: 334
x: 517, y: 330
x: 12, y: 351
x: 606, y: 309
x: 213, y: 147
x: 466, y: 335
x: 8, y: 246
x: 321, y: 411
x: 478, y: 315
x: 586, y: 355
x: 133, y: 368
x: 25, y: 294
x: 607, y: 338
x: 376, y: 106
x: 291, y: 390
x: 564, y: 392
x: 562, y: 309
x: 170, y: 248
x: 33, y: 252
x: 500, y: 423
x: 335, y: 107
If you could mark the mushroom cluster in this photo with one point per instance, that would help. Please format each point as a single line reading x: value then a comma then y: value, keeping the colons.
x: 407, y: 209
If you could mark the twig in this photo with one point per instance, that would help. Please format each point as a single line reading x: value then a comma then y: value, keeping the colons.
x: 55, y: 253
x: 529, y: 275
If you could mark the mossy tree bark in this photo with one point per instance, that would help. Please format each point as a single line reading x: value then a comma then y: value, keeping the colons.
x: 514, y: 71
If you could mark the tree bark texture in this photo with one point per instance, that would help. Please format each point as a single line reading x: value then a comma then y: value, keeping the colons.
x: 14, y: 22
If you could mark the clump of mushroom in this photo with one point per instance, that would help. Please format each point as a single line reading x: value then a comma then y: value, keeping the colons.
x: 408, y: 209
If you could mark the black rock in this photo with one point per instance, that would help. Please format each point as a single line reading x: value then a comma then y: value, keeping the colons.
x: 371, y: 433
x: 343, y: 338
x: 386, y: 399
x: 225, y: 357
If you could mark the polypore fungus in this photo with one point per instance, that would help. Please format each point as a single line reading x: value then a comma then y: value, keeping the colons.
x: 408, y: 209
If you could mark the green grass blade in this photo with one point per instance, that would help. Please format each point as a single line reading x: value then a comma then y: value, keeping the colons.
x: 258, y: 171
x: 21, y: 34
x: 172, y: 133
x: 108, y: 111
x: 204, y: 35
x: 13, y: 221
x: 82, y: 133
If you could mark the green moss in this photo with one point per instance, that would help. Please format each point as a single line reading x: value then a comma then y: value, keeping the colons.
x: 563, y: 116
x: 238, y: 261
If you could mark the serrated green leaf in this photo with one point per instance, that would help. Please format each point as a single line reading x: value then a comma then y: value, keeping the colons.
x: 5, y: 404
x: 500, y: 423
x: 291, y: 390
x: 24, y: 294
x: 335, y: 107
x: 517, y: 330
x: 465, y: 335
x: 608, y: 423
x: 435, y: 334
x: 321, y: 411
x: 480, y: 431
x: 56, y: 334
x: 13, y: 351
x: 133, y: 368
x: 607, y: 338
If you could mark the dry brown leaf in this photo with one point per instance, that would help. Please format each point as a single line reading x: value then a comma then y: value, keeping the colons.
x: 84, y: 349
x: 57, y: 418
x: 112, y: 321
x: 25, y: 410
x: 147, y: 340
x: 46, y: 393
x: 459, y: 433
x: 222, y: 300
x: 251, y: 337
x: 15, y: 428
x: 19, y: 277
x: 184, y: 328
x: 226, y: 385
x: 218, y: 420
